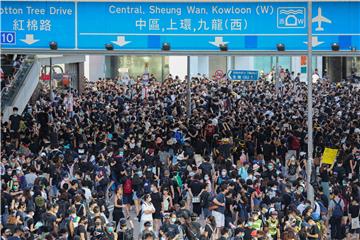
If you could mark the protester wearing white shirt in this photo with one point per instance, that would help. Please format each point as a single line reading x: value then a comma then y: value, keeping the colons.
x: 147, y: 210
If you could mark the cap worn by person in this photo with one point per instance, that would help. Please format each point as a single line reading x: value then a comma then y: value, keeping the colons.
x: 110, y: 224
x: 123, y: 222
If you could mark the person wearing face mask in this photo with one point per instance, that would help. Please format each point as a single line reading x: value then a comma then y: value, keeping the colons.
x: 98, y: 232
x: 274, y: 227
x: 169, y: 227
x: 270, y: 173
x: 110, y: 233
x: 293, y: 169
x: 147, y: 211
x: 126, y: 232
x: 222, y: 178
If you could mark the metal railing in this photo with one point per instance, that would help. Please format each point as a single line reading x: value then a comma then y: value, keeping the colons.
x: 8, y: 94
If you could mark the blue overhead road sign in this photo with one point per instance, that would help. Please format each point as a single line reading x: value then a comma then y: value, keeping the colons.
x: 143, y: 26
x: 243, y: 75
x: 38, y: 23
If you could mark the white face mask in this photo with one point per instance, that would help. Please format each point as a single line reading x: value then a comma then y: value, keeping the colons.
x: 173, y: 220
x: 206, y: 177
x: 223, y: 173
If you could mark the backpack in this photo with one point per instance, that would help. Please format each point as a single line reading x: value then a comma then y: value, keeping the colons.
x: 323, y: 209
x: 338, y: 210
x: 128, y: 186
x: 243, y: 212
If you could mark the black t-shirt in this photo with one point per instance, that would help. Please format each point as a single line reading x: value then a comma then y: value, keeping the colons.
x: 80, y: 209
x: 43, y: 118
x: 166, y: 182
x: 15, y: 122
x: 170, y: 229
x: 81, y: 229
x: 156, y: 199
x: 314, y: 230
x: 199, y: 146
x: 206, y: 168
x: 324, y: 175
x: 228, y: 204
x: 128, y: 234
x: 340, y: 171
x: 49, y: 220
x: 354, y: 210
x: 6, y: 199
x: 196, y: 187
x: 205, y: 199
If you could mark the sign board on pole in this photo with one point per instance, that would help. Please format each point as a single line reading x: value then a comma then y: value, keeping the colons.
x: 243, y: 75
x: 219, y: 74
x: 201, y: 26
x: 329, y: 156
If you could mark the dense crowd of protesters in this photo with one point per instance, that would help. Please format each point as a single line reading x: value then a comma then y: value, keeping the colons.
x: 123, y: 161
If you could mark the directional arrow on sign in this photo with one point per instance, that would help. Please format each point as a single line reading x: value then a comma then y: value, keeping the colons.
x: 121, y: 41
x: 315, y: 41
x: 230, y: 74
x: 218, y: 41
x: 29, y: 39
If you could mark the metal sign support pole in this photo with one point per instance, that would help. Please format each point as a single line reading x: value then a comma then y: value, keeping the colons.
x: 162, y: 69
x: 277, y: 75
x: 310, y: 190
x: 188, y: 100
x: 50, y: 80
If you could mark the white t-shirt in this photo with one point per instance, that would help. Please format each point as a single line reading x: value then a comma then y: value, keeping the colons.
x: 88, y: 195
x: 301, y: 207
x: 147, y: 207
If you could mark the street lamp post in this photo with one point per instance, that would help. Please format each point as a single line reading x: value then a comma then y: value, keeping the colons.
x: 309, y: 163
